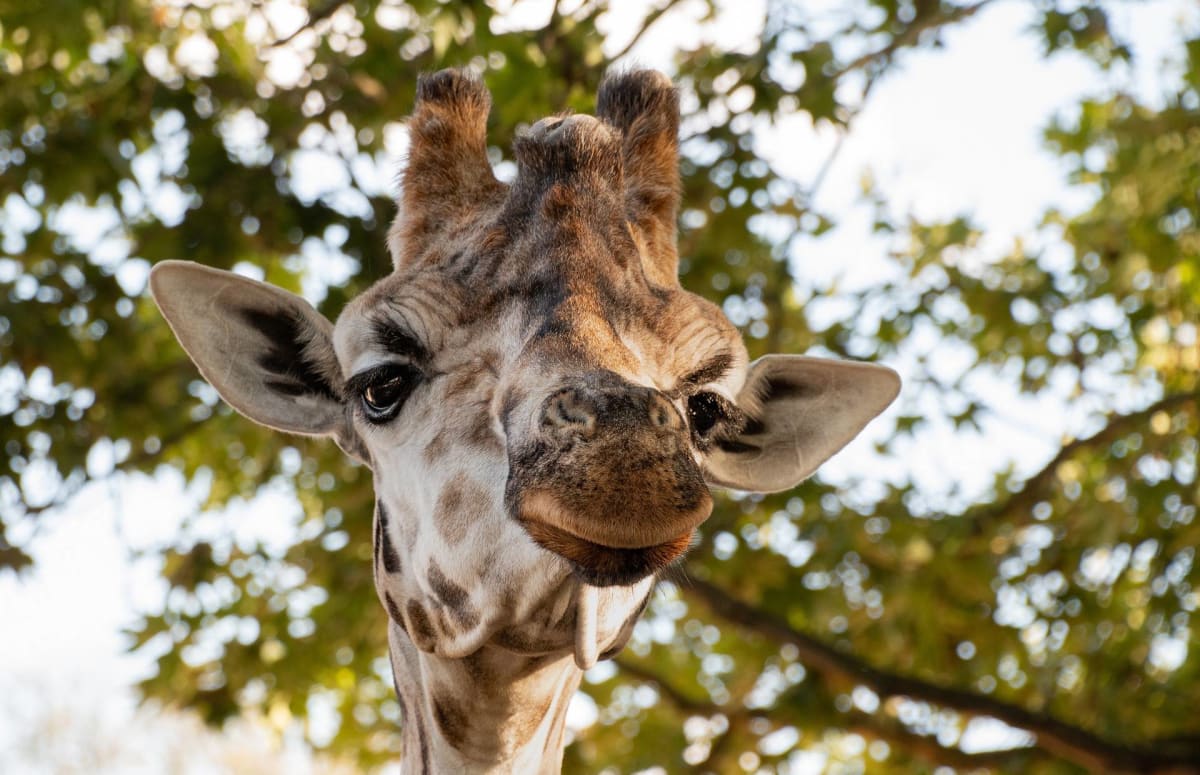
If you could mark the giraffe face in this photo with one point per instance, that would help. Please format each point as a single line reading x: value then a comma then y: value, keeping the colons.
x: 576, y: 411
x: 538, y: 398
x: 533, y: 415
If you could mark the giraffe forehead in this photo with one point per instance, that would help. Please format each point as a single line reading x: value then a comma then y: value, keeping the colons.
x: 566, y: 250
x: 427, y: 312
x: 561, y: 227
x: 652, y: 336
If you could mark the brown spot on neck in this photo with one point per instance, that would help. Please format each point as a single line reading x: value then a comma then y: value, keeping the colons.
x: 451, y: 720
x: 420, y: 629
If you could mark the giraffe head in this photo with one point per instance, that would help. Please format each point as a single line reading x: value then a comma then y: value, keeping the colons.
x: 542, y: 405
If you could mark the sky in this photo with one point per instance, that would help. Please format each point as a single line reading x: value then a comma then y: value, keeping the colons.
x: 951, y: 131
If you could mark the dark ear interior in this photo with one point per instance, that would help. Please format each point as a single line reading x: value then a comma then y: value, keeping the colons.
x: 267, y: 352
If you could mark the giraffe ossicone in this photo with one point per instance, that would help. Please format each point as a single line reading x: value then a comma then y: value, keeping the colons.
x: 543, y: 407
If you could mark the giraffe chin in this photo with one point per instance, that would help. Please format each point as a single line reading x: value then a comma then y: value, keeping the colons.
x: 605, y: 566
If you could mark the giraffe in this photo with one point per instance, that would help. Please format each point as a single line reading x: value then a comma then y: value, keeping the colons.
x: 542, y: 405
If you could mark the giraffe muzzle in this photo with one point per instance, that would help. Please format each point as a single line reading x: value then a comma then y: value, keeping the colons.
x: 617, y: 504
x: 609, y: 482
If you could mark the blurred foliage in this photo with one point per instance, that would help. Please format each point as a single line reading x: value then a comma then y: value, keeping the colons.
x: 51, y: 727
x: 867, y: 621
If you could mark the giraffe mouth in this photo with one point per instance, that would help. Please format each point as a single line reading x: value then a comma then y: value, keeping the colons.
x: 602, y: 565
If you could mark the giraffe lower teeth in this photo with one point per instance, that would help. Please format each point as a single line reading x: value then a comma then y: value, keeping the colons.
x: 587, y: 612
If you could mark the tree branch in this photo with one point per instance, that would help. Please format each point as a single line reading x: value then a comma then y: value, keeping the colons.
x: 1023, y: 500
x: 675, y: 696
x: 930, y: 751
x: 912, y: 33
x: 315, y: 15
x: 1076, y: 745
x: 135, y: 460
x: 868, y: 725
x: 647, y: 23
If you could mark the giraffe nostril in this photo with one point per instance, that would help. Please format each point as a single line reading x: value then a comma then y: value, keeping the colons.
x: 586, y: 411
x: 568, y: 410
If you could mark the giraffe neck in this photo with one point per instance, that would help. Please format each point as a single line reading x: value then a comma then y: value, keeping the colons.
x: 492, y: 711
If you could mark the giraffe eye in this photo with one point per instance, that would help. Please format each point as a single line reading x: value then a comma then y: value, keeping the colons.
x: 385, y: 390
x: 705, y: 410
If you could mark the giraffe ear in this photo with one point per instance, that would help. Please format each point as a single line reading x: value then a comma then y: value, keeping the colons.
x: 802, y: 410
x: 267, y: 352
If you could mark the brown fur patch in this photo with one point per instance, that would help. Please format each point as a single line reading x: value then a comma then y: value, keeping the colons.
x: 479, y: 670
x: 420, y: 629
x: 494, y: 240
x: 450, y: 719
x: 386, y: 549
x: 438, y: 448
x: 528, y: 719
x: 423, y: 743
x: 461, y: 503
x: 490, y: 361
x: 481, y: 434
x: 461, y: 384
x: 520, y: 641
x: 448, y: 514
x: 455, y: 598
x: 394, y: 611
